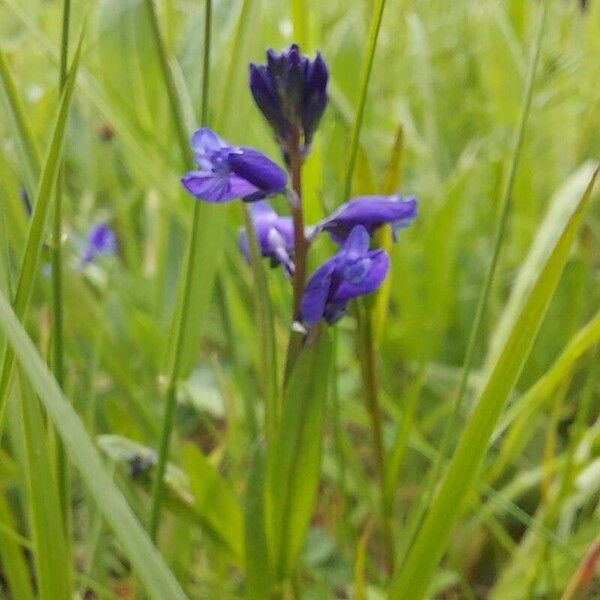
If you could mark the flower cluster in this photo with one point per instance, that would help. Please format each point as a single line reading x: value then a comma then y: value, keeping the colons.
x: 291, y: 92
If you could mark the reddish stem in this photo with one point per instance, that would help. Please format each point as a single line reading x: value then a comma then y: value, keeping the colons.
x: 300, y: 242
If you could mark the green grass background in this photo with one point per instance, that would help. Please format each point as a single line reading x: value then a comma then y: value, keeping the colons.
x: 447, y: 89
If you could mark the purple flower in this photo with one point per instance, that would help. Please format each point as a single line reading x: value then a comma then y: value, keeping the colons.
x: 371, y: 212
x: 291, y: 92
x: 274, y: 234
x: 101, y: 240
x: 230, y: 172
x: 353, y: 271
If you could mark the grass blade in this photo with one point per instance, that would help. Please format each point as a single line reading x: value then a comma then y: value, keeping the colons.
x: 39, y: 218
x: 51, y: 554
x: 12, y: 559
x: 153, y: 572
x: 362, y: 99
x: 475, y: 332
x: 266, y: 331
x: 295, y: 457
x: 522, y: 413
x: 20, y: 125
x: 216, y: 503
x: 413, y: 579
x: 258, y: 563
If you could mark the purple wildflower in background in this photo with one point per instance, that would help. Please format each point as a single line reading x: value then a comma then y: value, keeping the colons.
x: 371, y: 212
x: 274, y: 234
x: 291, y: 92
x: 101, y: 240
x: 230, y: 172
x: 354, y: 271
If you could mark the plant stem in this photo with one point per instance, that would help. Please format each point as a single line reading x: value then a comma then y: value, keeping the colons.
x: 64, y: 484
x: 300, y: 243
x: 366, y: 353
x: 181, y: 315
x: 505, y: 206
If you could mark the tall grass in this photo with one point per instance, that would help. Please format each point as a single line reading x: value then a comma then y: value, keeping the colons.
x: 448, y: 428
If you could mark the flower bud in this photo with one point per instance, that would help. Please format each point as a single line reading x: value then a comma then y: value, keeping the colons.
x: 291, y: 92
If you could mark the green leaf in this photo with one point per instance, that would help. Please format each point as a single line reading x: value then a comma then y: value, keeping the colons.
x: 266, y: 331
x: 51, y: 556
x: 414, y: 577
x: 20, y: 126
x: 522, y: 413
x: 187, y: 503
x: 144, y: 557
x: 12, y: 559
x: 362, y: 99
x: 295, y: 457
x: 216, y: 503
x: 563, y: 204
x: 39, y: 218
x: 258, y: 563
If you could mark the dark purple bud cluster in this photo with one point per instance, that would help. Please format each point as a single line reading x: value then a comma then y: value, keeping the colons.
x: 291, y: 92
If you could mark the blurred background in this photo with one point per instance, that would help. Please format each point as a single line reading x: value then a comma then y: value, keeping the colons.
x: 442, y: 109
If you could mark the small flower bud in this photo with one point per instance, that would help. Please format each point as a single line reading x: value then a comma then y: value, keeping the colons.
x: 291, y: 92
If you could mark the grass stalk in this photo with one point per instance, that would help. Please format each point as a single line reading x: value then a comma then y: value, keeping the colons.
x: 362, y: 99
x: 368, y: 367
x: 64, y: 484
x: 366, y: 341
x: 505, y: 207
x: 181, y: 316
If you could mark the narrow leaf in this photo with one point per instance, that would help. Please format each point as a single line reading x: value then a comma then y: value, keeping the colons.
x: 51, y: 558
x: 216, y: 502
x: 39, y: 218
x: 417, y: 571
x: 258, y: 563
x: 144, y: 557
x: 20, y: 126
x: 295, y: 458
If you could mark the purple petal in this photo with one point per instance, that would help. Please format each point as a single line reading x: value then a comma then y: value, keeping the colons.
x: 274, y: 234
x: 314, y: 300
x: 356, y: 244
x: 101, y: 240
x: 370, y: 282
x: 241, y: 188
x: 371, y: 212
x: 264, y: 93
x: 258, y: 170
x: 317, y: 75
x: 278, y: 250
x: 315, y: 96
x: 212, y: 187
x: 334, y: 311
x: 206, y: 141
x: 262, y: 212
